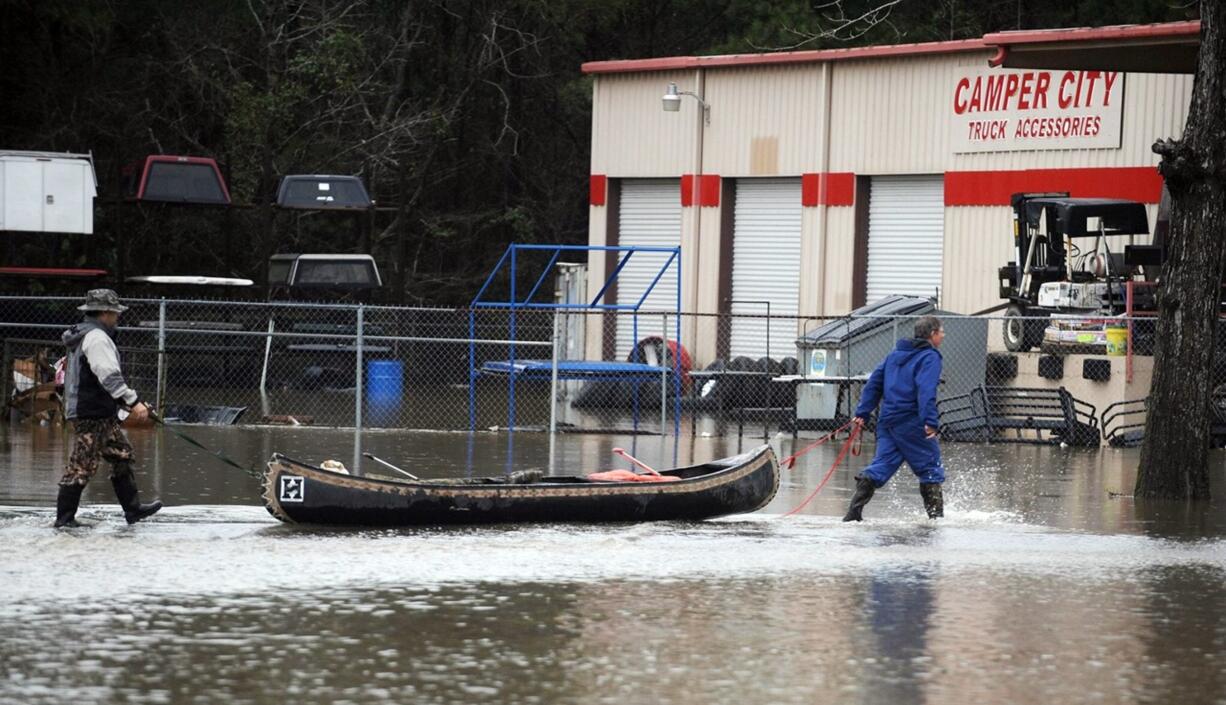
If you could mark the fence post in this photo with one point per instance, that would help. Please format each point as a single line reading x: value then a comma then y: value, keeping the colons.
x: 8, y: 377
x: 357, y: 392
x: 1128, y: 315
x: 161, y: 378
x: 553, y: 395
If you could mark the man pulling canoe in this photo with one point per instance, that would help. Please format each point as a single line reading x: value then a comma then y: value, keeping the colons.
x: 94, y: 392
x: 905, y: 384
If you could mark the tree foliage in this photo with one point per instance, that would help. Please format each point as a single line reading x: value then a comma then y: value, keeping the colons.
x: 471, y: 118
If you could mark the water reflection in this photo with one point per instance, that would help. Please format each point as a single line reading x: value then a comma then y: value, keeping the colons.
x: 1185, y: 638
x: 898, y: 607
x: 1177, y: 518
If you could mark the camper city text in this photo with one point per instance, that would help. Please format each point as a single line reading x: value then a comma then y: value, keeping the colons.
x: 1021, y: 110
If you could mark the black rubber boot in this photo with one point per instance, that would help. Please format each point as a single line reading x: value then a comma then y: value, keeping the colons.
x: 934, y: 499
x: 864, y: 492
x: 66, y: 506
x: 129, y: 497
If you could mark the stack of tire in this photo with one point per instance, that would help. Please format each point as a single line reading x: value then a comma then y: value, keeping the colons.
x: 746, y: 390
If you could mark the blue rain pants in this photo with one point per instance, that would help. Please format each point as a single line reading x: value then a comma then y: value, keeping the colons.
x: 905, y: 441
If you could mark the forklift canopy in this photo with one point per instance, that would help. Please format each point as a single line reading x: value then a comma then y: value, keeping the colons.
x: 1070, y: 216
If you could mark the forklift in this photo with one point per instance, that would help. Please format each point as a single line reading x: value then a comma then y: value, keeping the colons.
x: 1054, y: 274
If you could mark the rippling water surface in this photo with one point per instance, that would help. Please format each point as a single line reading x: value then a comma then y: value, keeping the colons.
x: 1041, y: 586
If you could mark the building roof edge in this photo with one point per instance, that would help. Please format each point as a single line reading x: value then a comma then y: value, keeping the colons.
x: 997, y: 41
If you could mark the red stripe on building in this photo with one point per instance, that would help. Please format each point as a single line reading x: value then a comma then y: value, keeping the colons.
x: 838, y: 189
x: 687, y: 190
x: 708, y: 187
x: 993, y: 188
x: 810, y: 186
x: 708, y: 190
x: 598, y: 188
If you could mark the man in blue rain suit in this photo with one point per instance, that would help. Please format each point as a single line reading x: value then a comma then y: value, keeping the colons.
x: 905, y: 384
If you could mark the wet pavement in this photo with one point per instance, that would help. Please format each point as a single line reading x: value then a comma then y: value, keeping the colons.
x: 1042, y: 585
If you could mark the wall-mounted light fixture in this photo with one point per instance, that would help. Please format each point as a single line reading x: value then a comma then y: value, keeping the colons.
x: 672, y: 102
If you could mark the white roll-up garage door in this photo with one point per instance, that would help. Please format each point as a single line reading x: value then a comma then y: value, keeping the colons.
x: 649, y: 216
x: 765, y: 267
x: 906, y: 235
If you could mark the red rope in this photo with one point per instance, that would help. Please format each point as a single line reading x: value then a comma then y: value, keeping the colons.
x: 790, y: 461
x: 851, y: 444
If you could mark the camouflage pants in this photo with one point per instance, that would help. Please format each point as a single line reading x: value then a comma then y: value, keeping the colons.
x: 94, y: 440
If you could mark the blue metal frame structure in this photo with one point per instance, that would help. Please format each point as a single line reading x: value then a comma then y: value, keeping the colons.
x: 514, y: 304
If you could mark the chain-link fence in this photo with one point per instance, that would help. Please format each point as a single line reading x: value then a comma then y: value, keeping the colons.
x: 1074, y: 379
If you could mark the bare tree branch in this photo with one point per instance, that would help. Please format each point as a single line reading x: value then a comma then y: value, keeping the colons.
x: 835, y: 24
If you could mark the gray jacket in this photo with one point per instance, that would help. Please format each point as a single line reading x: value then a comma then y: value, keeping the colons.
x: 93, y: 383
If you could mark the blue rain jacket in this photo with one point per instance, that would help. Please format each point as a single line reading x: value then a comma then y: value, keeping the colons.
x: 905, y: 384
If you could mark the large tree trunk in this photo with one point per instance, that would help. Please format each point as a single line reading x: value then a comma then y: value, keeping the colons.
x: 1175, y: 453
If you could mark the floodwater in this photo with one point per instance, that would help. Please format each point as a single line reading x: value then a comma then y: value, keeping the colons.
x: 1042, y: 585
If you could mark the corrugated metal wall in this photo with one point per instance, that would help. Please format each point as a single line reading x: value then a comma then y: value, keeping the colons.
x: 597, y: 234
x: 765, y: 123
x: 840, y: 260
x: 632, y: 135
x: 1155, y: 105
x: 978, y: 240
x: 890, y: 116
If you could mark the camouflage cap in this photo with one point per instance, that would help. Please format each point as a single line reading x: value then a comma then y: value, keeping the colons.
x: 102, y: 300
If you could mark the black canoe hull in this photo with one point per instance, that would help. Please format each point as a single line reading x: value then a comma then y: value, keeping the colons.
x: 299, y: 493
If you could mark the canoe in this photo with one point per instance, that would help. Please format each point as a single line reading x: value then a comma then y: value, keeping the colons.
x: 296, y: 492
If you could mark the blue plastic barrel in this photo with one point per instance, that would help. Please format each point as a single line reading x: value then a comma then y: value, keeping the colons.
x: 384, y: 380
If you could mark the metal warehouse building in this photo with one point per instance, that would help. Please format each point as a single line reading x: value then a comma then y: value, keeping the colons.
x: 819, y: 181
